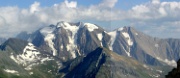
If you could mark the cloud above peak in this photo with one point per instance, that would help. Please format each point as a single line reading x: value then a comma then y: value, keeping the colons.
x: 146, y: 16
x: 108, y: 3
x: 34, y: 7
x: 72, y: 4
x: 155, y: 1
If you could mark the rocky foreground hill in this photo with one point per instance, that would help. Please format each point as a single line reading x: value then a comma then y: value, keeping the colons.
x: 175, y: 73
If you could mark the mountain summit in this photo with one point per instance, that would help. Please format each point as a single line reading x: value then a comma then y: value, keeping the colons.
x: 85, y: 50
x: 70, y: 40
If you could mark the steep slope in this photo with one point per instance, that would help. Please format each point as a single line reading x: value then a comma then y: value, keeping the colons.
x: 175, y: 73
x: 102, y: 63
x: 19, y: 58
x: 174, y: 44
x: 159, y: 49
x: 70, y: 40
x: 2, y: 40
x: 24, y: 35
x: 132, y: 43
x: 13, y: 44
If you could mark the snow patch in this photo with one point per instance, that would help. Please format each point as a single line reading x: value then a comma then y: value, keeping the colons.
x: 30, y: 73
x: 62, y: 47
x: 49, y: 71
x: 100, y: 36
x: 136, y: 33
x: 78, y: 52
x: 168, y: 62
x: 155, y: 76
x: 30, y: 54
x: 113, y: 38
x: 120, y: 29
x: 13, y: 58
x: 46, y: 59
x: 127, y: 52
x: 91, y: 27
x: 49, y: 37
x: 156, y: 45
x: 72, y: 29
x: 29, y: 57
x: 59, y: 64
x: 160, y: 71
x: 11, y: 71
x: 129, y: 41
x: 145, y: 66
x: 63, y: 58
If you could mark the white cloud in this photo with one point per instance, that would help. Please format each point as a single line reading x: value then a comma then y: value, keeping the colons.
x: 34, y: 7
x: 155, y: 1
x: 162, y: 11
x: 72, y: 4
x: 150, y: 15
x: 2, y: 21
x: 108, y: 3
x: 141, y: 9
x: 156, y: 18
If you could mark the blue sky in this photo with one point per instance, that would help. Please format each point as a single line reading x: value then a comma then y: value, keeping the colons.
x: 159, y: 18
x: 27, y: 3
x: 123, y: 4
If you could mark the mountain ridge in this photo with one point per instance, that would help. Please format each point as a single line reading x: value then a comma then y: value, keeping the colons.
x: 125, y: 41
x: 73, y: 46
x: 103, y: 63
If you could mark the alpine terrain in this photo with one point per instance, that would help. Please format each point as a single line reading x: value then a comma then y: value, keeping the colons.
x: 175, y: 73
x: 85, y: 50
x: 2, y: 40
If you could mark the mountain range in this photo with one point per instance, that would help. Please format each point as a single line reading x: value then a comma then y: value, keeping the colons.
x: 2, y: 40
x: 85, y: 50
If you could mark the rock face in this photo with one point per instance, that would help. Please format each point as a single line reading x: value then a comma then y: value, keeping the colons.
x: 70, y: 40
x: 103, y: 63
x: 175, y: 73
x: 67, y: 40
x: 86, y: 50
x: 21, y: 59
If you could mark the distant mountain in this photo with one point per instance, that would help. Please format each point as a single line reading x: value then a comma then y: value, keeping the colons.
x: 85, y: 50
x: 2, y: 40
x: 67, y: 40
x: 70, y: 40
x: 135, y: 44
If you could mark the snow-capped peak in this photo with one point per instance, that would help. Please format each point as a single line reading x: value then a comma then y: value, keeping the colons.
x: 66, y: 25
x: 113, y: 35
x: 29, y: 57
x: 124, y: 32
x: 47, y: 30
x: 49, y: 37
x: 90, y: 27
x: 120, y: 29
x: 71, y: 30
